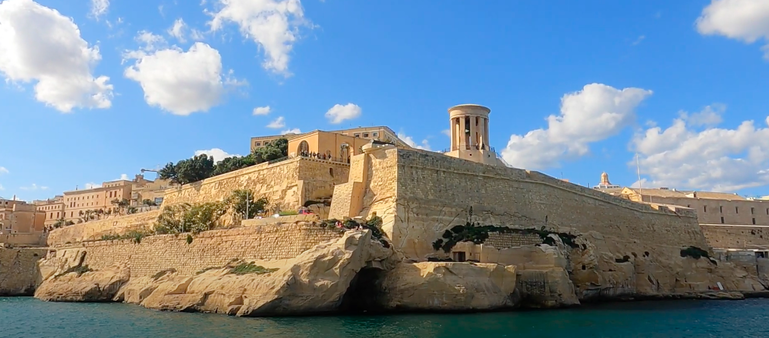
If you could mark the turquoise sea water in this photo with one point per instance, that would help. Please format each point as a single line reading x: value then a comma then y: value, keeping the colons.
x: 28, y: 317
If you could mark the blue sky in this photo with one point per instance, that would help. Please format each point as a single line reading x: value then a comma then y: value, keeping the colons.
x: 98, y: 89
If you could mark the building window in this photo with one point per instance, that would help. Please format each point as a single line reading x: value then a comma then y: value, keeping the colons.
x: 752, y: 210
x: 375, y: 134
x: 705, y: 208
x: 356, y: 134
x: 736, y: 210
x: 721, y: 209
x: 257, y: 144
x: 365, y: 134
x: 754, y: 221
x: 722, y: 220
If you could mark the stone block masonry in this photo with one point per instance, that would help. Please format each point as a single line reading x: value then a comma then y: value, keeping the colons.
x: 208, y: 249
x: 287, y: 184
x: 435, y: 192
x: 737, y: 237
x: 95, y: 229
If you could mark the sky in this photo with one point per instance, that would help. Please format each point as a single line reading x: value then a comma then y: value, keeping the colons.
x: 96, y: 90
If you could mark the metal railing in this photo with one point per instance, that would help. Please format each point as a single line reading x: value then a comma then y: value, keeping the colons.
x: 323, y: 157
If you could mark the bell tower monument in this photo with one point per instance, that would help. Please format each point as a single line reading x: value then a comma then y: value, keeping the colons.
x: 469, y: 129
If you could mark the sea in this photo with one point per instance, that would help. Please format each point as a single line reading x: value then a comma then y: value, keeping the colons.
x: 22, y: 317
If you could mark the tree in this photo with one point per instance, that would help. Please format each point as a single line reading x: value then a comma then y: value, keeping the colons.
x: 271, y: 151
x: 120, y: 204
x: 149, y: 203
x: 242, y: 200
x: 188, y: 170
x: 233, y: 163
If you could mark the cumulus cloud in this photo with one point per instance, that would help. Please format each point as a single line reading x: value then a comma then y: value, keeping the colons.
x: 3, y: 170
x: 261, y: 110
x: 123, y: 177
x: 272, y: 24
x: 33, y: 187
x: 339, y: 113
x: 446, y: 132
x: 166, y: 75
x: 291, y: 131
x: 99, y: 8
x: 745, y: 20
x: 91, y: 185
x: 687, y: 156
x: 39, y: 44
x: 278, y: 123
x: 215, y: 153
x: 595, y: 113
x: 424, y: 145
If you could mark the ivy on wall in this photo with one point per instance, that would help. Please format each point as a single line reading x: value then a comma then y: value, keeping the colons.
x: 471, y: 232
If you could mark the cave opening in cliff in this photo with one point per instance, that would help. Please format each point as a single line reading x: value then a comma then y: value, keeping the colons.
x: 364, y: 294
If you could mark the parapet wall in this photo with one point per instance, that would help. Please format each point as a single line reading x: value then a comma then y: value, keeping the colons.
x: 737, y: 237
x: 435, y: 192
x: 287, y: 184
x: 23, y: 239
x: 208, y: 249
x: 95, y: 229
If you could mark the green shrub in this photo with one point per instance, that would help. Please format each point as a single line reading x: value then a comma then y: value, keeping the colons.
x: 189, y: 239
x: 288, y: 213
x: 479, y: 234
x: 248, y: 268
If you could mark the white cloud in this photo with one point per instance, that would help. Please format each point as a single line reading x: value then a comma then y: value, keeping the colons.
x: 593, y: 114
x: 99, y: 8
x: 745, y: 20
x: 339, y: 113
x: 446, y: 132
x: 91, y: 185
x: 719, y: 159
x: 639, y: 40
x: 425, y: 145
x: 1, y: 187
x: 168, y: 79
x: 39, y: 44
x: 291, y: 131
x: 272, y: 24
x: 261, y: 110
x: 278, y: 123
x: 34, y: 187
x: 177, y: 30
x: 3, y: 170
x: 709, y: 116
x: 216, y: 153
x: 123, y: 177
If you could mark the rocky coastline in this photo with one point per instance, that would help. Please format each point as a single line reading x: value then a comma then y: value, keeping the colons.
x: 357, y: 273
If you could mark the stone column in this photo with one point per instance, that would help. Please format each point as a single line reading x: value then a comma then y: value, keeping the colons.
x: 486, y: 131
x: 462, y: 129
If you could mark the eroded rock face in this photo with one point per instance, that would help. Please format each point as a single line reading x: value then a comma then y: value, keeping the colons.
x: 93, y: 286
x: 314, y: 282
x: 449, y: 286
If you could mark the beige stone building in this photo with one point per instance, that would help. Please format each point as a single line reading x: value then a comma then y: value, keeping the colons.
x: 20, y: 217
x: 713, y: 208
x: 52, y: 208
x: 78, y: 202
x: 378, y: 133
x: 143, y: 189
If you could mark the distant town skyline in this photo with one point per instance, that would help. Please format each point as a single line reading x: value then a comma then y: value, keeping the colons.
x: 575, y: 89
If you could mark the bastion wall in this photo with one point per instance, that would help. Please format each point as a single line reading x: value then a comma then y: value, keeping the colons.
x: 95, y: 229
x: 208, y: 249
x: 434, y: 192
x: 287, y: 184
x: 737, y: 237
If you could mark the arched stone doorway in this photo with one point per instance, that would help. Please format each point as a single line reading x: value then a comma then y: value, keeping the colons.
x: 303, y: 149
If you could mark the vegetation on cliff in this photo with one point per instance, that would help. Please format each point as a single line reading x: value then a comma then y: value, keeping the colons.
x: 202, y: 166
x: 373, y: 224
x: 247, y: 268
x: 186, y: 217
x: 471, y: 232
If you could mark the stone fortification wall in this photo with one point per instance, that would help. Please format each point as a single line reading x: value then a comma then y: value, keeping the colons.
x: 95, y: 229
x: 287, y: 184
x: 18, y: 271
x: 504, y: 241
x: 435, y: 192
x: 23, y: 239
x: 208, y: 249
x: 737, y: 237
